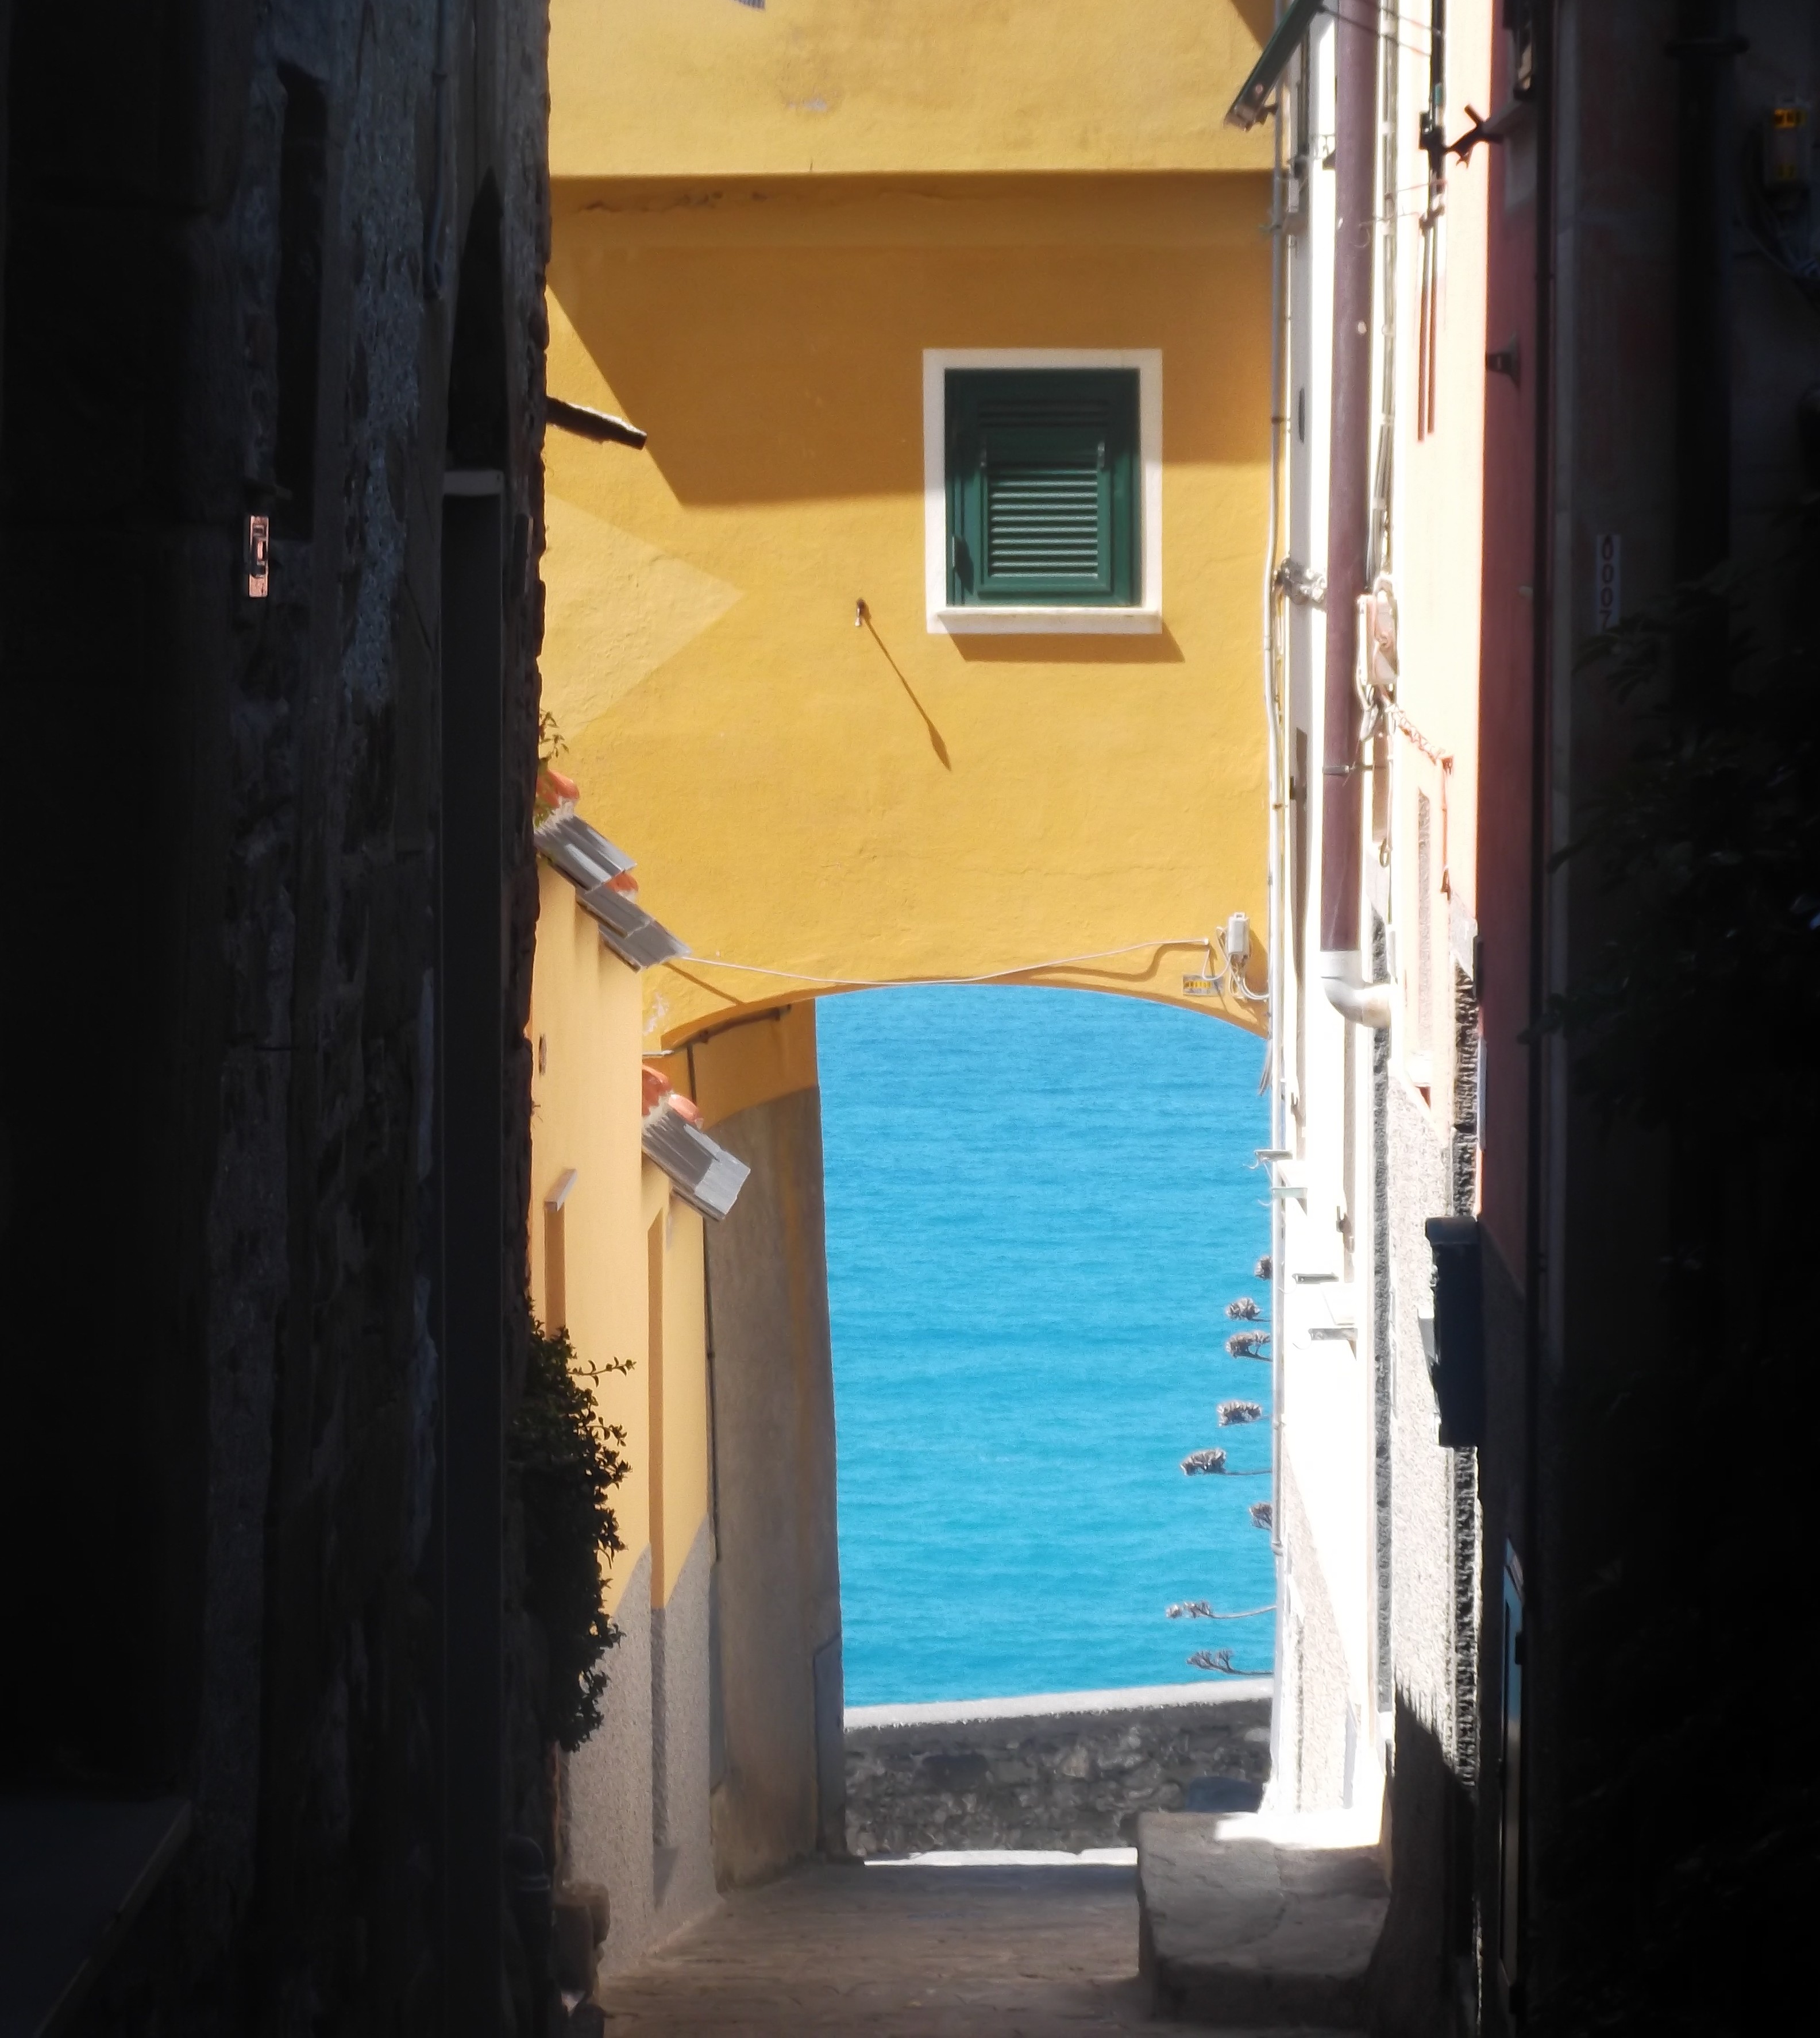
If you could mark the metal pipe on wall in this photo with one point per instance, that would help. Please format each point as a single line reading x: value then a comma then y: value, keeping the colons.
x: 1349, y: 508
x: 1279, y: 821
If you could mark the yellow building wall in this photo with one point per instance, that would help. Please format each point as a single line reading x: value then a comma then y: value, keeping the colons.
x: 694, y: 88
x: 681, y: 1420
x: 586, y: 1109
x: 819, y: 801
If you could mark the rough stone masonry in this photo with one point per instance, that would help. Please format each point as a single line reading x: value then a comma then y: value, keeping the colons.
x: 1066, y: 1772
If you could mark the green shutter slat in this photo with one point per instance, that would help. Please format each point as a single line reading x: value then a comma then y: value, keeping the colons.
x: 1043, y: 520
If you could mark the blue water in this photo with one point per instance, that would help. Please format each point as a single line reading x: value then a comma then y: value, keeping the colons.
x: 1039, y: 1204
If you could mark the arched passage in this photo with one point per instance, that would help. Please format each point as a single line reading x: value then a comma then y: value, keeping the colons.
x: 777, y: 1760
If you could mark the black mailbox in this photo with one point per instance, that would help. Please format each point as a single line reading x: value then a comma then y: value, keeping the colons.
x: 1457, y: 1367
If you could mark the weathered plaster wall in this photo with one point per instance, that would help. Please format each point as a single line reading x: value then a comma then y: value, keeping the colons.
x: 995, y: 1774
x: 941, y: 804
x: 1425, y: 1968
x: 682, y: 1871
x: 778, y: 1584
x: 805, y: 86
x: 607, y: 1798
x: 635, y: 1795
x: 1317, y: 1747
x: 1422, y: 1473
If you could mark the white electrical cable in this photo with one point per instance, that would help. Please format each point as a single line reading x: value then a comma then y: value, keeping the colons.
x: 900, y: 983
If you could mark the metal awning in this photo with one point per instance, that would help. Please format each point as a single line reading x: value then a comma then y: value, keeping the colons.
x: 705, y: 1175
x: 591, y: 863
x: 628, y: 930
x: 1286, y: 39
x: 583, y: 854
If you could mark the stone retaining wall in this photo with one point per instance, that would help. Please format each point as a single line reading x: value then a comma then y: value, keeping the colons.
x: 1068, y: 1771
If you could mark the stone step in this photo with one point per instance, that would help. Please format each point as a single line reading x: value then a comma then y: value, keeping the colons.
x: 1261, y: 1922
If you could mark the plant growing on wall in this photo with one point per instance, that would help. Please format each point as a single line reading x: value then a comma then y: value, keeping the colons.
x: 564, y: 1460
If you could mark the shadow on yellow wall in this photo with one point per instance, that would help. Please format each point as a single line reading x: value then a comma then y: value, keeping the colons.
x: 824, y: 790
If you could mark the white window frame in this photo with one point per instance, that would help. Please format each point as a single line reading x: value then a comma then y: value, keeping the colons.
x: 1005, y: 619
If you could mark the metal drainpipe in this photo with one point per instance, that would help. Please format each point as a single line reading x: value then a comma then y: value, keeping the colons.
x: 1348, y: 504
x: 1278, y: 860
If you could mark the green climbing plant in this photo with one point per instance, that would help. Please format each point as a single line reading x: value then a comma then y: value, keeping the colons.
x: 564, y: 1460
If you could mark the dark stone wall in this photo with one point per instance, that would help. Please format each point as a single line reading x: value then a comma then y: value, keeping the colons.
x: 236, y: 240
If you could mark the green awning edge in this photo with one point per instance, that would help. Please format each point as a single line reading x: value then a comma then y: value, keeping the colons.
x: 1286, y: 38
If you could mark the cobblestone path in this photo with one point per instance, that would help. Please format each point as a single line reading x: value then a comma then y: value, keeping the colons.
x: 904, y: 1952
x: 996, y: 1952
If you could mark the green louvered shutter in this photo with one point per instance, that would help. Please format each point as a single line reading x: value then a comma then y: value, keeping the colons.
x: 1042, y: 486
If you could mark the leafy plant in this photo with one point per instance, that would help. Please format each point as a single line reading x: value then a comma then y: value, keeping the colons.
x: 565, y: 1460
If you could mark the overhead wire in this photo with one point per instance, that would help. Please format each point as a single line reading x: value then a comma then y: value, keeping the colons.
x: 1206, y: 943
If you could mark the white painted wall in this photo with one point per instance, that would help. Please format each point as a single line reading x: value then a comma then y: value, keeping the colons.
x: 1332, y: 1736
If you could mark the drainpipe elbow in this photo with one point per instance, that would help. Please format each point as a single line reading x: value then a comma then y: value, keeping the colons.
x: 1363, y: 1004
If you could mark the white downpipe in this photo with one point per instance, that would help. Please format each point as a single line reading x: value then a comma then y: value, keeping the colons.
x: 1279, y: 828
x: 1279, y: 798
x: 1342, y: 978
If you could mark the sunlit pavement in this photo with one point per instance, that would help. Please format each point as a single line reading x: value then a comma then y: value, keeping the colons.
x: 916, y: 1951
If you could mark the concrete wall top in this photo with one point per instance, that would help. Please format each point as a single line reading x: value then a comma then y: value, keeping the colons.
x: 1035, y: 1709
x: 705, y: 88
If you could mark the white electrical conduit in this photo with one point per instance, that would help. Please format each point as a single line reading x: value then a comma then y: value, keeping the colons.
x: 1202, y: 942
x: 1349, y: 521
x: 1279, y: 829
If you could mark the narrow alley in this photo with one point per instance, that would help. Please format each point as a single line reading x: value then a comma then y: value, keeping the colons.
x: 909, y: 1068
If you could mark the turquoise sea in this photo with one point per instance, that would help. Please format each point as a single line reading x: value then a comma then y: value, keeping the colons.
x: 1039, y: 1204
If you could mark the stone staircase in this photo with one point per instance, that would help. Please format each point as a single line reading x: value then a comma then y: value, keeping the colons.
x: 1259, y: 1922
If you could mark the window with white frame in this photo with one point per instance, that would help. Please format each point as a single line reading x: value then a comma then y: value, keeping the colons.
x: 1043, y: 490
